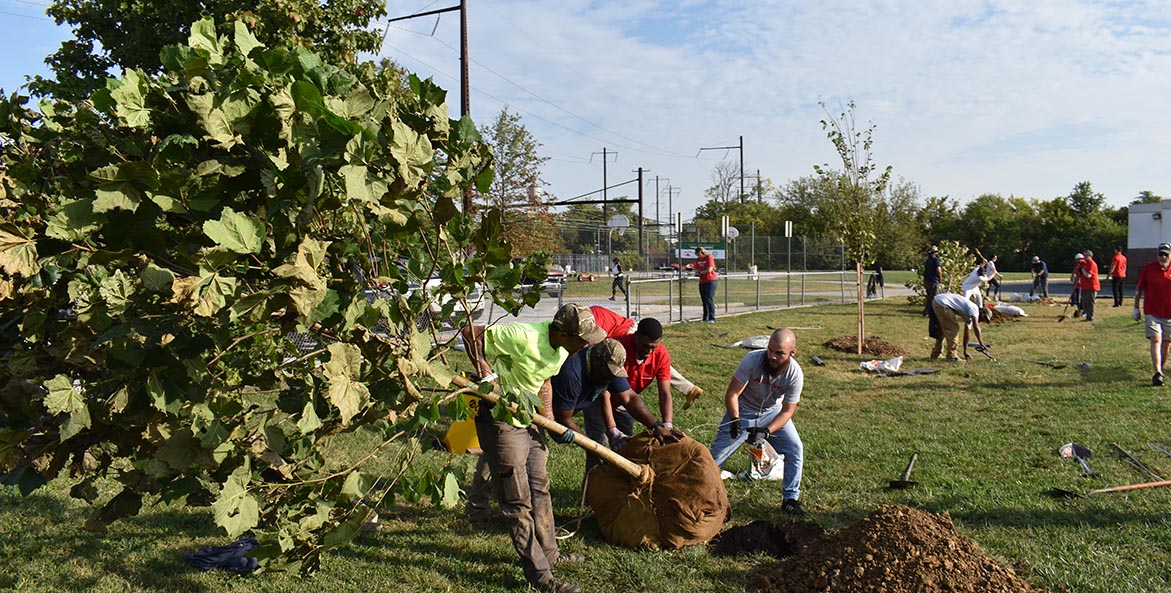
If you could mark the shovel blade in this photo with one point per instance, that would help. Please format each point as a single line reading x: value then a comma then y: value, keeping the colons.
x: 902, y: 484
x: 1062, y: 493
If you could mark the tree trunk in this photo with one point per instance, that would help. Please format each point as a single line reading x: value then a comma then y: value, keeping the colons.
x: 861, y: 306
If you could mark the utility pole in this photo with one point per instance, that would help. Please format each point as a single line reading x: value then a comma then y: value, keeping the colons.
x: 605, y: 200
x: 465, y: 107
x: 739, y: 146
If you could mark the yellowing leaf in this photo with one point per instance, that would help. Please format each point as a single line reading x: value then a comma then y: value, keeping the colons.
x: 18, y: 251
x: 130, y: 98
x: 303, y: 265
x: 236, y: 510
x: 207, y: 293
x: 236, y: 232
x: 345, y: 393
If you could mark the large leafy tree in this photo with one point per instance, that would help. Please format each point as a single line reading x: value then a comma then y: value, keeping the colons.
x: 129, y: 34
x: 857, y: 187
x: 159, y: 241
x: 528, y: 222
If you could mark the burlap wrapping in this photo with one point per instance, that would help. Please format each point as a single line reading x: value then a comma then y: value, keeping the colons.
x: 684, y: 504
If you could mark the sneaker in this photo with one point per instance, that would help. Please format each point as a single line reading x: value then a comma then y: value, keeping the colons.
x: 792, y: 507
x: 692, y: 396
x: 1158, y: 380
x: 555, y: 585
x: 611, y: 298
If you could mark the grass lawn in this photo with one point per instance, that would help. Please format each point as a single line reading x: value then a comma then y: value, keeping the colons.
x: 986, y: 433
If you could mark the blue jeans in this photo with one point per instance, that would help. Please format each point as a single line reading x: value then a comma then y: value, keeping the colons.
x: 707, y: 294
x: 786, y: 441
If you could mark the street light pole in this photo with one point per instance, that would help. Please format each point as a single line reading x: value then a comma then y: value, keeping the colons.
x: 739, y: 146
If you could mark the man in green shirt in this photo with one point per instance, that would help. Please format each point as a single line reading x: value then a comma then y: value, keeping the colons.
x: 520, y: 359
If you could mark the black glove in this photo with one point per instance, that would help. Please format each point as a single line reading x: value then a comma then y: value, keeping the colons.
x: 734, y: 428
x: 757, y: 435
x: 566, y: 437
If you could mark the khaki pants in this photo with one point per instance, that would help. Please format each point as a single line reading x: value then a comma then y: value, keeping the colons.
x: 950, y: 323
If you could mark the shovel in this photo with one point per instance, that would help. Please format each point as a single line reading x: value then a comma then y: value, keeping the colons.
x: 1131, y: 459
x: 1081, y: 454
x: 906, y: 482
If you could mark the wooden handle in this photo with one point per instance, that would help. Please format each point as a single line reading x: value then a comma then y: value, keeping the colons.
x: 907, y: 474
x: 633, y: 469
x: 1132, y: 487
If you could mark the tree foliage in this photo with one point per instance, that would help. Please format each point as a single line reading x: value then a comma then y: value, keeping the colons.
x: 129, y: 34
x: 528, y: 222
x: 160, y: 242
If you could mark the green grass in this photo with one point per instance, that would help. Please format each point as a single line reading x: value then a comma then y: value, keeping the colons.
x: 986, y: 433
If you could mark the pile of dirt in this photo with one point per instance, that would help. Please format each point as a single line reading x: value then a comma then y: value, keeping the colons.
x: 896, y: 549
x: 762, y: 537
x: 872, y: 346
x: 998, y: 317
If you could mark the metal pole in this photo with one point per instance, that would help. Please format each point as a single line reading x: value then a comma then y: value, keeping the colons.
x: 742, y: 169
x: 641, y: 225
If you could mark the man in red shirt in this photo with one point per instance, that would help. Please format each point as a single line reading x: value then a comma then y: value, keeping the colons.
x: 705, y: 268
x: 1154, y: 282
x: 647, y: 362
x: 1117, y: 275
x: 616, y: 326
x: 1089, y: 284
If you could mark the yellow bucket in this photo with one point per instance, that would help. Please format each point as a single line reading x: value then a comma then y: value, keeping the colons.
x: 462, y: 435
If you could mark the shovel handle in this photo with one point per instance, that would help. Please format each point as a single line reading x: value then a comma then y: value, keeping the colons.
x: 581, y: 440
x: 907, y: 474
x: 1132, y: 487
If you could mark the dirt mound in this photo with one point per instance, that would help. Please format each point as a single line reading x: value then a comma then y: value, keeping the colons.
x: 998, y: 317
x: 762, y: 537
x: 894, y: 550
x: 872, y: 346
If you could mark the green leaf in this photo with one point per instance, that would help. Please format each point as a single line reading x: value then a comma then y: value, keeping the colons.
x: 203, y: 39
x: 245, y: 40
x: 18, y: 251
x: 156, y: 279
x: 117, y: 196
x: 180, y: 451
x: 235, y: 509
x: 451, y: 492
x: 355, y: 485
x: 309, y: 421
x: 64, y: 395
x: 345, y: 393
x: 25, y: 478
x: 308, y: 98
x: 236, y: 232
x: 206, y: 293
x: 75, y: 222
x: 116, y: 291
x: 214, y: 121
x: 77, y: 422
x: 130, y: 100
x: 356, y: 185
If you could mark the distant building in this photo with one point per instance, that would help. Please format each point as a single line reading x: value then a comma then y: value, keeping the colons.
x: 1147, y: 226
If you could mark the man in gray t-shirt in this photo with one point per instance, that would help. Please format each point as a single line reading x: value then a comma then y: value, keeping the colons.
x: 761, y: 397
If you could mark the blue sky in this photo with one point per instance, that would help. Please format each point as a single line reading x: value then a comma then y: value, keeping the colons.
x: 969, y: 96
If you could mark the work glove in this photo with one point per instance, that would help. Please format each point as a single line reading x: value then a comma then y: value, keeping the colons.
x: 757, y: 435
x: 1138, y: 316
x: 666, y: 433
x: 734, y: 428
x: 565, y: 438
x: 617, y: 439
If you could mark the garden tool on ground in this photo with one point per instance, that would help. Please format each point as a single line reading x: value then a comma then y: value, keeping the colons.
x: 1081, y: 454
x: 1060, y: 493
x: 906, y: 481
x: 1131, y: 459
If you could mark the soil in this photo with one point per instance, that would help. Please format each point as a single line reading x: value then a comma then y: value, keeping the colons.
x: 762, y: 537
x: 998, y: 317
x: 896, y: 549
x: 872, y: 346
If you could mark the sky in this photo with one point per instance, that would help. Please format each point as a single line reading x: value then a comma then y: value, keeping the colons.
x: 969, y: 97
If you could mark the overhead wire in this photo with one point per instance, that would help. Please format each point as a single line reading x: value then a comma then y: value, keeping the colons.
x: 654, y: 150
x: 27, y: 16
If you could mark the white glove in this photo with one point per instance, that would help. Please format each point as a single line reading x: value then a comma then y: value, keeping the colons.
x: 1137, y: 315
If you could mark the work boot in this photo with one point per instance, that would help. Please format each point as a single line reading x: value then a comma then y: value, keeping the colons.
x: 555, y: 585
x: 692, y: 396
x: 1158, y: 380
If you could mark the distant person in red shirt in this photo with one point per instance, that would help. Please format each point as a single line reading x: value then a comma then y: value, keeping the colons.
x: 616, y: 326
x: 1117, y: 275
x: 705, y: 268
x: 1088, y: 283
x: 1154, y: 282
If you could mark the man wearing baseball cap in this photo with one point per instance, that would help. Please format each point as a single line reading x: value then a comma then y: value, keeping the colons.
x: 1154, y: 282
x: 595, y: 381
x: 520, y: 359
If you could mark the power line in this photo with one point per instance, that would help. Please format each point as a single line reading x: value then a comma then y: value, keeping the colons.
x: 27, y: 16
x: 527, y: 112
x: 654, y: 149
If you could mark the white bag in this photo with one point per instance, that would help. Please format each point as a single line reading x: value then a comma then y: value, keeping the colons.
x: 766, y: 463
x: 882, y: 366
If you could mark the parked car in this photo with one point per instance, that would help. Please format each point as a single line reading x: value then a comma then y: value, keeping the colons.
x: 552, y: 284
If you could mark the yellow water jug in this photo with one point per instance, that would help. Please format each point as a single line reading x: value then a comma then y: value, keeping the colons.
x: 462, y: 435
